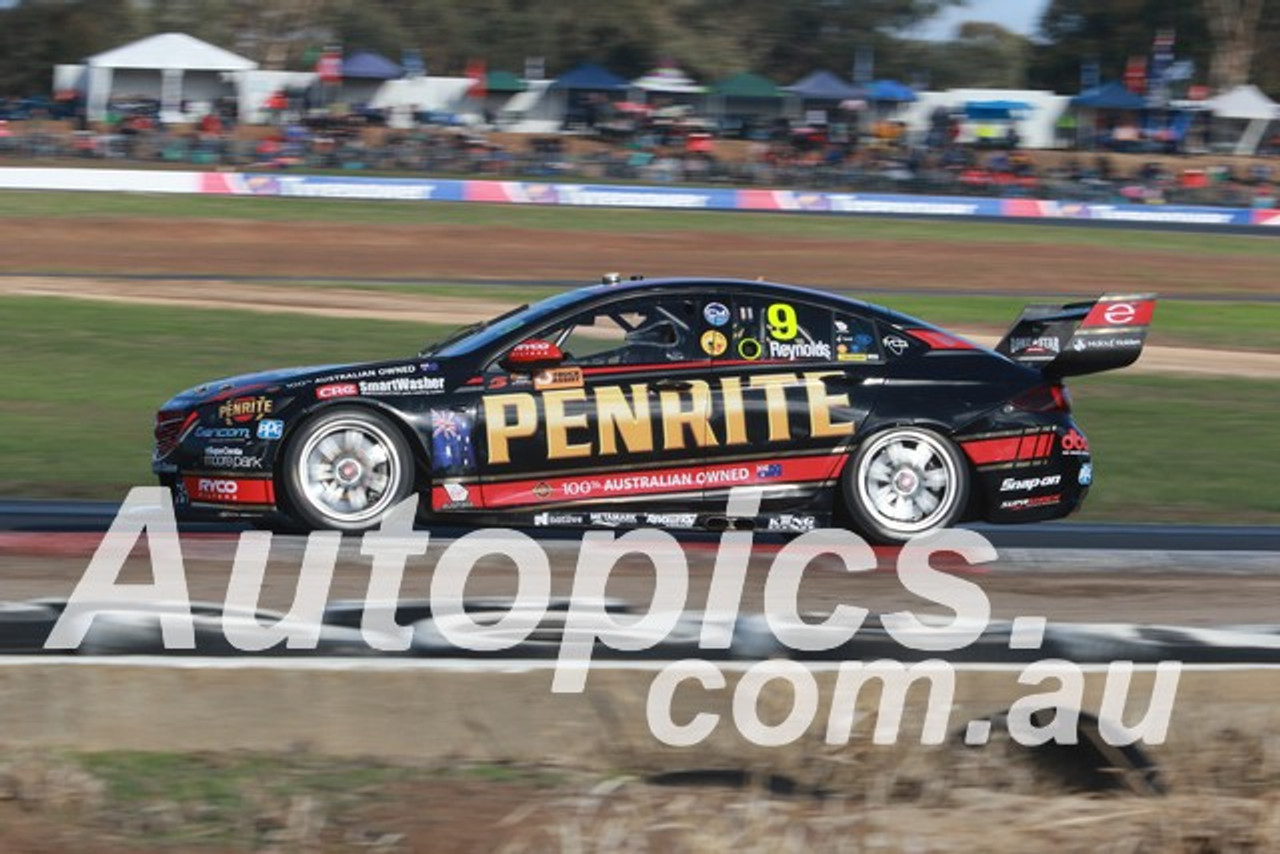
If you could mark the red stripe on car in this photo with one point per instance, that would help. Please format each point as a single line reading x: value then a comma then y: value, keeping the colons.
x: 942, y: 340
x: 985, y: 451
x: 619, y: 484
x: 210, y: 489
x: 1122, y: 312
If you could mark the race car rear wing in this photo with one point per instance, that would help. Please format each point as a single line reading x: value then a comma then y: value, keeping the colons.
x: 1082, y: 337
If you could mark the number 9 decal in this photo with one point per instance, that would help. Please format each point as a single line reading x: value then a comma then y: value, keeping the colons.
x: 781, y: 319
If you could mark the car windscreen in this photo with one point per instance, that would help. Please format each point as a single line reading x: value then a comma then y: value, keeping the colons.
x: 480, y: 336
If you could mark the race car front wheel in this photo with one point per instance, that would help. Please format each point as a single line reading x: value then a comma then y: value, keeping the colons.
x: 903, y: 482
x: 345, y: 468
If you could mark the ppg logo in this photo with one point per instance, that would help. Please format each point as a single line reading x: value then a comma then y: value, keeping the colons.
x: 270, y: 429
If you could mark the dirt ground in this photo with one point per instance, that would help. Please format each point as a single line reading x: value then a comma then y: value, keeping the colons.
x: 445, y: 253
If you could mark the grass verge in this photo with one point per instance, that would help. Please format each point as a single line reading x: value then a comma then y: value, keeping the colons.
x: 154, y: 801
x: 1180, y: 449
x: 82, y: 380
x: 105, y: 803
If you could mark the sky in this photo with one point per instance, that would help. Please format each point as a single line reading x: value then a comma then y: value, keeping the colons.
x: 1019, y: 16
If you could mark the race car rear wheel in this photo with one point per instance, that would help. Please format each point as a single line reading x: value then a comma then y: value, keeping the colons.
x: 903, y: 482
x: 345, y: 468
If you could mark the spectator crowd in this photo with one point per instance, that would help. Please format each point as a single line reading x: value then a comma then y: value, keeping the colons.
x: 650, y: 146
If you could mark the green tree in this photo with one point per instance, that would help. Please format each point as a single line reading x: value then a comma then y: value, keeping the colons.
x: 784, y: 39
x: 1230, y: 41
x: 1110, y: 32
x: 781, y: 38
x: 38, y: 34
x: 983, y: 55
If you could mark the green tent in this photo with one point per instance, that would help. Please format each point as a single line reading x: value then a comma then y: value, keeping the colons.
x: 503, y: 82
x: 747, y: 85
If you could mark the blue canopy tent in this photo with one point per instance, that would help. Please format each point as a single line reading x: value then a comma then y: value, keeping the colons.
x: 363, y: 74
x: 581, y: 91
x: 994, y: 123
x: 823, y: 91
x: 1109, y: 96
x: 889, y: 90
x: 823, y: 86
x: 590, y: 77
x: 366, y: 65
x: 995, y: 111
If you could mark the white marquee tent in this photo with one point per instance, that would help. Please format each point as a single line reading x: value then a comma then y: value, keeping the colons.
x: 173, y: 67
x: 1246, y: 105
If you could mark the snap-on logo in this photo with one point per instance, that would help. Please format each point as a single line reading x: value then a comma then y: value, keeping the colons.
x: 1013, y: 484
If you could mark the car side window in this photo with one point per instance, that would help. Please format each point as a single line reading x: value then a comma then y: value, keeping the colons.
x: 771, y: 328
x: 631, y: 332
x: 855, y: 339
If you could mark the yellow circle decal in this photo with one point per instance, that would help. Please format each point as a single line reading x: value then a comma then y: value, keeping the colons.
x: 749, y: 349
x: 714, y: 343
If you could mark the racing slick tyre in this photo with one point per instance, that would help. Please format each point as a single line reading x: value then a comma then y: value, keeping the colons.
x: 905, y: 481
x: 345, y: 468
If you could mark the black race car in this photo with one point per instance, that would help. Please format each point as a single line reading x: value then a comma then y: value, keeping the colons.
x: 642, y: 403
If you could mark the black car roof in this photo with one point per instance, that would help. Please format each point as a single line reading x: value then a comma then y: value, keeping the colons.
x: 570, y: 300
x: 747, y: 285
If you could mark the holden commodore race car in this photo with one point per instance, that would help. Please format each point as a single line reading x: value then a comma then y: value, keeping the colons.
x: 644, y: 402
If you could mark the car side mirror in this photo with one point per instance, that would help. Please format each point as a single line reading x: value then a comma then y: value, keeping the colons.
x: 531, y: 356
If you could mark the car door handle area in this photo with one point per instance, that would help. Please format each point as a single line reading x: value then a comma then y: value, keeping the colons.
x: 671, y: 385
x: 848, y: 380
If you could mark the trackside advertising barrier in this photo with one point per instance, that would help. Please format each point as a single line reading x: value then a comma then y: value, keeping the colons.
x: 619, y: 196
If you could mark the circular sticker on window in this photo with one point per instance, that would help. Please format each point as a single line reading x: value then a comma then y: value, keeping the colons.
x: 716, y: 313
x: 749, y: 349
x: 895, y: 345
x: 714, y: 343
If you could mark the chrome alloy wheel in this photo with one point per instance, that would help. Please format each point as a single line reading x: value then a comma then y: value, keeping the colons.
x: 349, y: 470
x: 907, y: 482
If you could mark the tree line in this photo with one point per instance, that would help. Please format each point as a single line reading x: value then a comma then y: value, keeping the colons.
x: 1229, y: 41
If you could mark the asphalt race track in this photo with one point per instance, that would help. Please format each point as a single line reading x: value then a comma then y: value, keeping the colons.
x: 19, y: 515
x: 1142, y: 574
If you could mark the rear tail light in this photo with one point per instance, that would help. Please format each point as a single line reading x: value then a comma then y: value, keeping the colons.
x: 169, y: 429
x: 1047, y: 397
